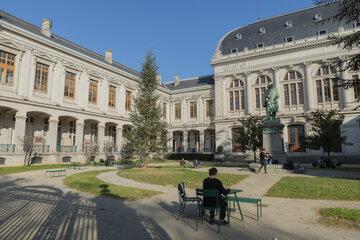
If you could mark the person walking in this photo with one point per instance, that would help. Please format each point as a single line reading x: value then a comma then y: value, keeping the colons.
x: 262, y: 160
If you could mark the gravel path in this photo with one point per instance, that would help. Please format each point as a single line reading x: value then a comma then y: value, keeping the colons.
x: 32, y: 207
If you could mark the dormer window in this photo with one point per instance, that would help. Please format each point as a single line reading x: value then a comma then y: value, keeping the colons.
x: 322, y: 32
x: 317, y: 17
x: 246, y: 49
x: 238, y: 36
x: 356, y: 24
x: 262, y: 30
x: 288, y: 24
x: 260, y: 45
x: 234, y: 50
x: 289, y: 39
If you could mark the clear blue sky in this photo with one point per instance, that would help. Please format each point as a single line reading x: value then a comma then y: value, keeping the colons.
x: 183, y: 34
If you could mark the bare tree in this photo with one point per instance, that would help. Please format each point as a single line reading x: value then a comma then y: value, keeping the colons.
x: 109, y: 151
x: 28, y: 148
x: 91, y: 149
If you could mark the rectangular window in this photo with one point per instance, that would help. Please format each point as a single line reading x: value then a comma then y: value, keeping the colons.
x: 293, y: 94
x: 237, y: 100
x: 164, y: 112
x: 70, y: 80
x: 260, y: 45
x: 242, y: 99
x: 193, y: 112
x: 286, y: 95
x: 128, y: 101
x: 322, y: 32
x: 7, y: 68
x: 356, y: 87
x: 231, y: 101
x: 41, y: 78
x: 93, y: 86
x: 177, y: 110
x: 257, y: 96
x: 112, y: 96
x: 301, y: 93
x: 335, y: 90
x: 209, y: 108
x: 263, y: 91
x: 319, y: 91
x: 289, y: 39
x: 327, y: 90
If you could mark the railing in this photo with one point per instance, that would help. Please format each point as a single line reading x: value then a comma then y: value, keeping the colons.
x: 7, y: 147
x: 66, y: 149
x: 41, y: 148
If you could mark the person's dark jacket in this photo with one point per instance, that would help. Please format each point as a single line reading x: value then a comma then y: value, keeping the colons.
x: 213, y: 183
x: 262, y: 158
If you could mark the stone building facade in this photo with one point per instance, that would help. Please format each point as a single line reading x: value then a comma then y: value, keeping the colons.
x: 68, y: 97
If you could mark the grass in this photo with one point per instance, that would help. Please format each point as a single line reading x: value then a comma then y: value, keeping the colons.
x: 10, y: 170
x: 347, y: 217
x: 343, y: 169
x: 87, y: 182
x: 173, y: 175
x: 316, y: 188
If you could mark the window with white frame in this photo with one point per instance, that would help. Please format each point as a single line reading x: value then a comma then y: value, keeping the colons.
x: 193, y: 109
x: 326, y: 87
x: 237, y: 95
x: 260, y: 87
x: 177, y: 109
x: 41, y: 77
x: 293, y: 88
x: 7, y: 67
x: 209, y: 108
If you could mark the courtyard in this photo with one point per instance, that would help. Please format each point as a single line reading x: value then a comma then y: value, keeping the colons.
x: 137, y: 207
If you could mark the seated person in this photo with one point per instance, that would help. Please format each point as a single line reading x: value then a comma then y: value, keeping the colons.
x: 213, y: 183
x: 196, y: 163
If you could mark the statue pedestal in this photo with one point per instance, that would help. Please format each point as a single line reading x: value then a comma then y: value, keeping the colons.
x: 272, y: 140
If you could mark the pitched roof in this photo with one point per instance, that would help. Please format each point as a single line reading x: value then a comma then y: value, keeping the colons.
x: 192, y: 82
x: 304, y: 25
x: 59, y: 40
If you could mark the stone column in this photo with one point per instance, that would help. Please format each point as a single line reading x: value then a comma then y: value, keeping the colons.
x: 278, y: 87
x: 202, y: 140
x: 119, y: 137
x: 20, y: 126
x: 248, y: 94
x: 309, y: 92
x: 51, y: 135
x: 185, y: 141
x: 101, y: 136
x: 79, y: 137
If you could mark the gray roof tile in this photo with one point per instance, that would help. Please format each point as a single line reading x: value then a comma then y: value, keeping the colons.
x: 192, y: 82
x: 303, y: 26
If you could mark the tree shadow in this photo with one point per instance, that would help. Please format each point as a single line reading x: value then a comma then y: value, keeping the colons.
x: 46, y: 212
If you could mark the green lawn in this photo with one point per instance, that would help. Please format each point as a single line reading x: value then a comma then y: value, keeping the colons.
x: 348, y: 217
x: 87, y: 182
x: 10, y: 170
x: 316, y: 188
x: 172, y: 176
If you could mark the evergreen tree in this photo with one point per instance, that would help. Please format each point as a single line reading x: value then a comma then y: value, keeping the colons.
x: 148, y: 135
x: 325, y: 131
x: 249, y: 134
x: 348, y: 12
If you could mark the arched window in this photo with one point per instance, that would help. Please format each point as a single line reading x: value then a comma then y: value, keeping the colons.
x: 293, y: 88
x: 260, y: 87
x: 236, y: 146
x: 326, y: 87
x: 296, y: 138
x: 237, y: 95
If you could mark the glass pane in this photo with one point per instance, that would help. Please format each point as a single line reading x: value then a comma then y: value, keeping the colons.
x: 286, y: 95
x: 293, y: 94
x: 242, y: 99
x: 327, y: 90
x: 335, y: 91
x: 319, y: 91
x: 257, y: 95
x: 231, y: 100
x: 237, y: 100
x: 301, y: 93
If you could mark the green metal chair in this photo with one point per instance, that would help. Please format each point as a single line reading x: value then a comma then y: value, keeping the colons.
x: 183, y: 199
x: 233, y: 199
x: 211, y: 193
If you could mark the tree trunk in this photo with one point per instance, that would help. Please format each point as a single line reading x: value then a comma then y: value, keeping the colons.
x: 254, y: 155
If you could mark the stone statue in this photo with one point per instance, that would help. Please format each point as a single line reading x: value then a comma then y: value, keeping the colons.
x: 271, y: 103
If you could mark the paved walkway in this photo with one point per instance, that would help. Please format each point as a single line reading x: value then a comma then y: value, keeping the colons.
x: 32, y: 207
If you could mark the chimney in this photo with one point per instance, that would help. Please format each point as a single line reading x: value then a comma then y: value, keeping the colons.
x: 177, y: 81
x: 108, y: 56
x: 46, y: 25
x: 158, y: 78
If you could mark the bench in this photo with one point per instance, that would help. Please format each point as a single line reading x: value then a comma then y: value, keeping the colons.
x: 256, y: 201
x: 55, y: 172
